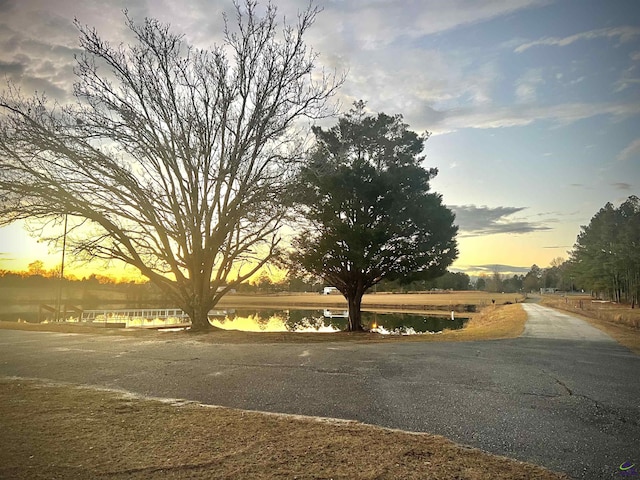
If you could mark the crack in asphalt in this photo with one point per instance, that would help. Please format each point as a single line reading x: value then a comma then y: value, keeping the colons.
x: 611, y: 412
x: 303, y: 366
x: 559, y: 382
x: 604, y: 409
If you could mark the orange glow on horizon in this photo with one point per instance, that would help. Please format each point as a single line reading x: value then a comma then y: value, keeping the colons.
x: 18, y: 249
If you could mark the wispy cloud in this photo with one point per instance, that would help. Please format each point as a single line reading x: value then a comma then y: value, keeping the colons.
x: 526, y: 114
x: 375, y: 24
x: 501, y: 268
x: 624, y: 34
x: 622, y: 185
x: 527, y: 85
x: 476, y: 270
x: 476, y: 221
x: 631, y: 150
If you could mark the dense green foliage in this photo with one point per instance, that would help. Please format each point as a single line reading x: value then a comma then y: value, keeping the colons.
x: 606, y: 256
x: 369, y: 210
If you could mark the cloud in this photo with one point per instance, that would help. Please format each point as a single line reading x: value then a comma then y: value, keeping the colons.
x: 526, y: 114
x: 442, y: 90
x: 624, y: 34
x: 632, y: 150
x: 11, y: 69
x: 477, y: 270
x: 476, y: 221
x: 622, y: 185
x: 527, y: 85
x: 496, y: 267
x: 371, y: 25
x: 37, y: 48
x: 386, y: 48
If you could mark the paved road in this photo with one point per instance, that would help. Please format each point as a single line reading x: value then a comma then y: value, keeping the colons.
x: 544, y: 322
x: 570, y: 403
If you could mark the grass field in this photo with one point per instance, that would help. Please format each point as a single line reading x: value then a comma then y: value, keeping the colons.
x: 416, y: 302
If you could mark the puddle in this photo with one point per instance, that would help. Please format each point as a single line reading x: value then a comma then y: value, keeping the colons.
x: 329, y: 321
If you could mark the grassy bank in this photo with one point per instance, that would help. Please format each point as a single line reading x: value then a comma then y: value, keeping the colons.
x: 59, y: 431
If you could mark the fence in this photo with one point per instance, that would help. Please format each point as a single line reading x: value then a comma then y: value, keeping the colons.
x: 150, y: 317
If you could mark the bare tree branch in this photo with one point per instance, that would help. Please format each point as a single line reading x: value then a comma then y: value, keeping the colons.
x: 179, y: 159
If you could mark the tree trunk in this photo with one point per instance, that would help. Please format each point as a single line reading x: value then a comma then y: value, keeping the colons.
x: 200, y: 323
x: 199, y: 315
x: 354, y: 323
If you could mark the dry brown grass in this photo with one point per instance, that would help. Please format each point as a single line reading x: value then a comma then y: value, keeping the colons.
x: 58, y: 431
x: 619, y: 321
x: 416, y: 302
x: 610, y: 312
x: 505, y: 321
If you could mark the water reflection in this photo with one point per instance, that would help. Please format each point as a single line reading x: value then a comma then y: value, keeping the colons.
x: 330, y: 321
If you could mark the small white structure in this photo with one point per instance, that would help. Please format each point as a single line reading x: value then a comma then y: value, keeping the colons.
x: 327, y: 313
x: 547, y: 290
x: 329, y: 290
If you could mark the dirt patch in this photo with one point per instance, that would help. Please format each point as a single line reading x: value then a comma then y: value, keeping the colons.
x: 60, y: 431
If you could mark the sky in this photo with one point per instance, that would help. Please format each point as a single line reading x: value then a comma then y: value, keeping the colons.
x: 533, y: 105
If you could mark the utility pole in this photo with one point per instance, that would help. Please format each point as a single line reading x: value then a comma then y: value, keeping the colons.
x: 61, y: 280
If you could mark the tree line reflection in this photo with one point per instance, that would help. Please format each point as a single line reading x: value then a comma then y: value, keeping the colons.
x: 278, y: 320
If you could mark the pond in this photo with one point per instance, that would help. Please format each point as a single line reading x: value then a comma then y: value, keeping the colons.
x: 263, y: 320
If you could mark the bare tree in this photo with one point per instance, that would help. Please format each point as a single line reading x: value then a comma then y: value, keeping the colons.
x: 176, y: 160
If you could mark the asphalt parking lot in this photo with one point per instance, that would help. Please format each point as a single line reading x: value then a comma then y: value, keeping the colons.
x: 564, y: 395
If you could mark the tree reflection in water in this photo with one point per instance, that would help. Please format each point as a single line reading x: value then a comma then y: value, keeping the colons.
x: 263, y: 320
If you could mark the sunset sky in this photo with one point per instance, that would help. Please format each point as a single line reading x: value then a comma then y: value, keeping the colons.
x: 533, y: 105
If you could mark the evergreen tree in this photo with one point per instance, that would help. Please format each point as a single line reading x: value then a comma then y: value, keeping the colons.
x: 369, y: 213
x: 606, y: 256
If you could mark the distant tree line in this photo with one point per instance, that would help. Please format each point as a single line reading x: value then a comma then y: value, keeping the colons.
x: 499, y: 283
x: 448, y: 281
x: 605, y: 260
x: 88, y: 292
x: 37, y: 276
x: 555, y: 276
